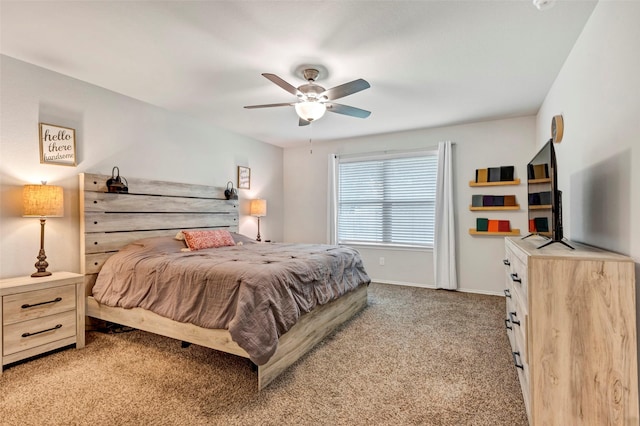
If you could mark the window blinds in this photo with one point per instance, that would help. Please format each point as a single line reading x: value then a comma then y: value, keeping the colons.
x: 388, y: 200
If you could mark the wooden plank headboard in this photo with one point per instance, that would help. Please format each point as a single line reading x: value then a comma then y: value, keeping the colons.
x: 109, y: 221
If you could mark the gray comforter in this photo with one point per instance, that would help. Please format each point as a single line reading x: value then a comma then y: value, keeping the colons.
x: 256, y: 291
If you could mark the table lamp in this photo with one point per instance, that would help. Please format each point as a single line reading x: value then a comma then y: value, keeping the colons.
x: 258, y: 208
x: 42, y: 201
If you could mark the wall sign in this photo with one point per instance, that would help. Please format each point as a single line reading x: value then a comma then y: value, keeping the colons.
x: 244, y: 177
x: 57, y: 145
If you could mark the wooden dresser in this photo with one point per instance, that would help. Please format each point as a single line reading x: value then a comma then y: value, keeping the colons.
x: 571, y: 322
x: 40, y: 314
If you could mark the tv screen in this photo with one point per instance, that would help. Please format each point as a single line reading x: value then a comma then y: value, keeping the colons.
x: 544, y: 197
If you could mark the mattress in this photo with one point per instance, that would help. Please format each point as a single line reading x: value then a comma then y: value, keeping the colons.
x: 257, y: 291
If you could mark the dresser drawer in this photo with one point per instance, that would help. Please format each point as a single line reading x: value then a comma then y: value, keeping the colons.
x: 523, y: 375
x: 35, y: 304
x: 516, y: 323
x: 516, y: 270
x: 40, y: 331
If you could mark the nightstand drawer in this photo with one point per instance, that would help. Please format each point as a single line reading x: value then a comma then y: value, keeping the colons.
x: 35, y: 304
x: 29, y: 334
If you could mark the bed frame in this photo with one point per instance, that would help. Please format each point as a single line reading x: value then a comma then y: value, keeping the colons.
x: 109, y: 221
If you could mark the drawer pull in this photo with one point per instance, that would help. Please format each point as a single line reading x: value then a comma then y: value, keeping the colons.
x: 507, y: 293
x: 511, y: 317
x: 27, y: 306
x: 506, y: 262
x: 515, y: 278
x: 42, y: 331
x: 506, y: 324
x: 515, y: 360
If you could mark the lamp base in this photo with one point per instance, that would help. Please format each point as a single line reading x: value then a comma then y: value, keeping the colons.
x: 42, y: 264
x: 258, y: 237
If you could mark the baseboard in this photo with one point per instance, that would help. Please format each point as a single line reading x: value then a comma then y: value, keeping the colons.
x: 485, y: 292
x: 431, y: 286
x: 403, y: 283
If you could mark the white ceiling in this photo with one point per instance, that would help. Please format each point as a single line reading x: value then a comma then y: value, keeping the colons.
x: 429, y: 63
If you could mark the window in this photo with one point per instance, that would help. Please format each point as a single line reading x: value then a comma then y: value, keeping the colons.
x: 387, y: 200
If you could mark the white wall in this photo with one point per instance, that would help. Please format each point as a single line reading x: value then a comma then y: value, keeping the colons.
x: 111, y: 129
x: 598, y: 94
x: 478, y: 145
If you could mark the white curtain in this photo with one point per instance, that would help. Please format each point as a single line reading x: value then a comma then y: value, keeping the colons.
x: 332, y: 201
x: 444, y: 247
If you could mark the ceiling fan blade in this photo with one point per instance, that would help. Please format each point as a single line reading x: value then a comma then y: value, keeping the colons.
x: 347, y: 110
x: 280, y: 82
x: 303, y: 122
x: 345, y: 89
x: 269, y: 105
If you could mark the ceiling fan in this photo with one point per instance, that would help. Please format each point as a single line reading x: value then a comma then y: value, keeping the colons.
x: 314, y: 100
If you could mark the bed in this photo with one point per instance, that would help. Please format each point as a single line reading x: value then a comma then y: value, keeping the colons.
x: 156, y: 211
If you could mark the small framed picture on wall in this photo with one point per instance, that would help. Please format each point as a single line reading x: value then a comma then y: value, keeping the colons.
x: 57, y: 145
x: 244, y: 177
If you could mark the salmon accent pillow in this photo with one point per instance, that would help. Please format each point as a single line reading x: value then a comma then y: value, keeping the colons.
x: 198, y: 240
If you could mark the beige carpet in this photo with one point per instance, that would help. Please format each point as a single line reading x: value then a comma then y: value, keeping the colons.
x: 413, y: 357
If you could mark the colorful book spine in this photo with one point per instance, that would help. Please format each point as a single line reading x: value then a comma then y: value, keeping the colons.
x: 509, y: 200
x: 494, y: 174
x: 482, y: 175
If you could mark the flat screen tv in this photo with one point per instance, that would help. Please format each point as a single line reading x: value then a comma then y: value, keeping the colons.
x: 545, y: 199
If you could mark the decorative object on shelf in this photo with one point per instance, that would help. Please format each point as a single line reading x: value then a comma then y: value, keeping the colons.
x: 557, y: 128
x: 244, y: 177
x: 507, y: 173
x: 114, y: 184
x: 258, y: 208
x: 57, y: 145
x: 482, y: 175
x: 230, y: 193
x: 42, y: 201
x: 493, y: 227
x: 493, y: 202
x: 495, y: 174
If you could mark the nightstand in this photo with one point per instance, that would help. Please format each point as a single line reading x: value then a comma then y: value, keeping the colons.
x: 40, y: 314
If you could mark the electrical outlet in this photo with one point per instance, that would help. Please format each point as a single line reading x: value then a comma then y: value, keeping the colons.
x: 382, y: 261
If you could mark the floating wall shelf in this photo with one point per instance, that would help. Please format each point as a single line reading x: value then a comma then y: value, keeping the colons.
x: 500, y: 183
x: 494, y: 208
x: 513, y: 232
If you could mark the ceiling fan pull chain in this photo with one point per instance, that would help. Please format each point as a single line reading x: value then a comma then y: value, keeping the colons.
x: 310, y: 137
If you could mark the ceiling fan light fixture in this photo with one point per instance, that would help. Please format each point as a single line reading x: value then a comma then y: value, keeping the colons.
x: 543, y: 4
x: 310, y: 110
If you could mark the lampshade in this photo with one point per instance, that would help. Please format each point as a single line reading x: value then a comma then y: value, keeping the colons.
x: 258, y: 208
x: 43, y: 201
x: 310, y: 110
